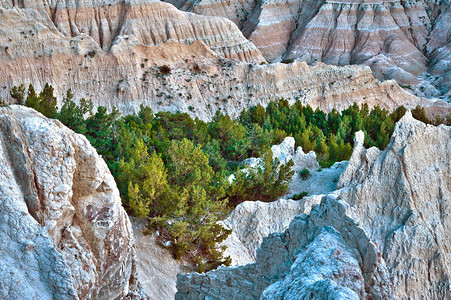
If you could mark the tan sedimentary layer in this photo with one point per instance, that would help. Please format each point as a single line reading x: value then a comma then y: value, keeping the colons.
x: 151, y: 22
x: 200, y: 82
x: 397, y: 39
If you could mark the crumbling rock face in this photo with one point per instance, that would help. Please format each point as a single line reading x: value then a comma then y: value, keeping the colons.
x: 156, y: 269
x: 285, y: 152
x: 402, y: 198
x: 323, y: 255
x: 251, y: 221
x: 64, y: 233
x: 201, y: 82
x: 149, y: 22
x: 398, y: 39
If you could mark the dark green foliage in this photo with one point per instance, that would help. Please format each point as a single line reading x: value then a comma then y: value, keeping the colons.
x: 91, y: 53
x: 420, y: 114
x: 142, y: 178
x: 32, y: 98
x: 287, y: 61
x: 18, y: 94
x: 100, y: 129
x: 45, y: 103
x: 73, y: 115
x: 304, y: 174
x: 299, y: 196
x: 265, y: 182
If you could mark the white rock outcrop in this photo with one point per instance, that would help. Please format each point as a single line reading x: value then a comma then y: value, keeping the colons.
x: 325, y: 255
x: 402, y: 197
x: 251, y: 221
x: 285, y: 152
x: 320, y: 181
x: 63, y: 231
x: 156, y: 269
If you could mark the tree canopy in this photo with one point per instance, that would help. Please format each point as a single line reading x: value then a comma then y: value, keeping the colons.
x: 173, y: 170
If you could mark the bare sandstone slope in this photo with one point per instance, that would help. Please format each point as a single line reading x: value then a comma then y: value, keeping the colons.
x: 150, y: 22
x: 156, y: 269
x: 63, y: 231
x: 325, y: 255
x: 398, y: 39
x: 402, y: 197
x: 200, y: 82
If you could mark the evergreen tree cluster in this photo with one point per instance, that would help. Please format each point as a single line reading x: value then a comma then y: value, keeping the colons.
x: 173, y: 170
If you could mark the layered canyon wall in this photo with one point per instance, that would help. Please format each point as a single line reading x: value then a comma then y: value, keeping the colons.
x: 408, y: 41
x: 37, y: 47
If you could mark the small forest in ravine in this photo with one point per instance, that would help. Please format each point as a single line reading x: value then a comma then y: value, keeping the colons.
x: 173, y: 170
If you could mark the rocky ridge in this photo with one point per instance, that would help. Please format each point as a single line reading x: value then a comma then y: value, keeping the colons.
x: 251, y: 221
x: 64, y: 232
x: 399, y: 197
x: 402, y: 196
x: 325, y: 254
x: 408, y: 41
x: 34, y: 50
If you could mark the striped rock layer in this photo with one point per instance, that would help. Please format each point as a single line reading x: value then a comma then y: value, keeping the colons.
x: 201, y: 81
x: 399, y: 39
x: 148, y: 22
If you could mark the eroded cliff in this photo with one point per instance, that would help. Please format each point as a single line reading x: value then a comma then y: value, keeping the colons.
x: 399, y: 40
x: 64, y: 232
x: 323, y: 255
x: 400, y: 199
x: 202, y: 79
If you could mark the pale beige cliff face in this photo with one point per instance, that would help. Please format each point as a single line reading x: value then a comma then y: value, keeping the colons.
x: 150, y: 22
x: 156, y: 269
x: 397, y: 39
x: 57, y: 182
x: 201, y: 82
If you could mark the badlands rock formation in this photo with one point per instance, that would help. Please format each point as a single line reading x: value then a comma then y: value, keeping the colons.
x: 63, y: 232
x: 117, y: 64
x: 146, y: 22
x: 402, y: 197
x: 398, y: 39
x: 251, y: 221
x: 325, y: 255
